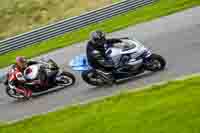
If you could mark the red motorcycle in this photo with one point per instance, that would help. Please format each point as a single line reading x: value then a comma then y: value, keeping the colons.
x: 40, y: 74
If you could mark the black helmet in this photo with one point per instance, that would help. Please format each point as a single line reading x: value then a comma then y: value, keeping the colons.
x: 98, y: 37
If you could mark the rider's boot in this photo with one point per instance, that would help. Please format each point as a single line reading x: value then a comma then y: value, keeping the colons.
x: 27, y: 93
x: 108, y: 77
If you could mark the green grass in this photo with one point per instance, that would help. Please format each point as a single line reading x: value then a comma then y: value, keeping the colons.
x: 24, y: 15
x: 115, y: 1
x: 1, y: 123
x: 170, y: 108
x: 160, y: 8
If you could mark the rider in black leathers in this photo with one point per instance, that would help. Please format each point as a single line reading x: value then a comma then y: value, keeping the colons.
x: 96, y: 51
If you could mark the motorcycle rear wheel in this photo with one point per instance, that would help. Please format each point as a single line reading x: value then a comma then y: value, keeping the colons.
x: 12, y: 93
x: 93, y: 78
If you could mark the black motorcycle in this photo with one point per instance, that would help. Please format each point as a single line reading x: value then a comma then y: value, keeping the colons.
x: 130, y: 58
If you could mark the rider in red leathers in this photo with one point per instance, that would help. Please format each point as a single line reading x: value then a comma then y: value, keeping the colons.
x: 16, y: 76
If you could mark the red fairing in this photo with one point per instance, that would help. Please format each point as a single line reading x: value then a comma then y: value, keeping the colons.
x: 13, y: 74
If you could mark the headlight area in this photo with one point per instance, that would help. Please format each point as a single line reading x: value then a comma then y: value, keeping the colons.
x: 147, y: 53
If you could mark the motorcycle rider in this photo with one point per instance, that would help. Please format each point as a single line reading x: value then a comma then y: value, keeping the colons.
x: 96, y: 51
x: 18, y: 69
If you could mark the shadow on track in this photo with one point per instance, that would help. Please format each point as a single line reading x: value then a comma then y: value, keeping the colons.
x: 119, y: 83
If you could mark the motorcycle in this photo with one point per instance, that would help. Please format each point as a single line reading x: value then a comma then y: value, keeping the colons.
x: 59, y: 79
x: 130, y: 58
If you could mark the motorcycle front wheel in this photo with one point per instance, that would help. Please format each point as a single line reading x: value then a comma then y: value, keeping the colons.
x: 156, y: 63
x: 66, y: 79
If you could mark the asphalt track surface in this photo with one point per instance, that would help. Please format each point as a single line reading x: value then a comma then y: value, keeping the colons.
x: 175, y: 37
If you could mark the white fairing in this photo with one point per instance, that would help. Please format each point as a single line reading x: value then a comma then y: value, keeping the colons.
x: 132, y: 47
x: 115, y: 54
x: 34, y: 71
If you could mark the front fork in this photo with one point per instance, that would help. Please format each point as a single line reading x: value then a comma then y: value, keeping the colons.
x: 147, y: 58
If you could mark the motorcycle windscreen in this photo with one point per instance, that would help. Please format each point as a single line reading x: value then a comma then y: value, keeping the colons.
x: 79, y: 63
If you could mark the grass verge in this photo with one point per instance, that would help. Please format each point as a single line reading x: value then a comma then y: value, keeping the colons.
x: 115, y: 1
x: 167, y: 108
x: 160, y: 8
x: 25, y: 15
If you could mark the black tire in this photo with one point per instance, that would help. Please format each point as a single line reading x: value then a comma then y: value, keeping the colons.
x: 86, y: 77
x: 155, y: 58
x: 15, y: 94
x: 70, y: 76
